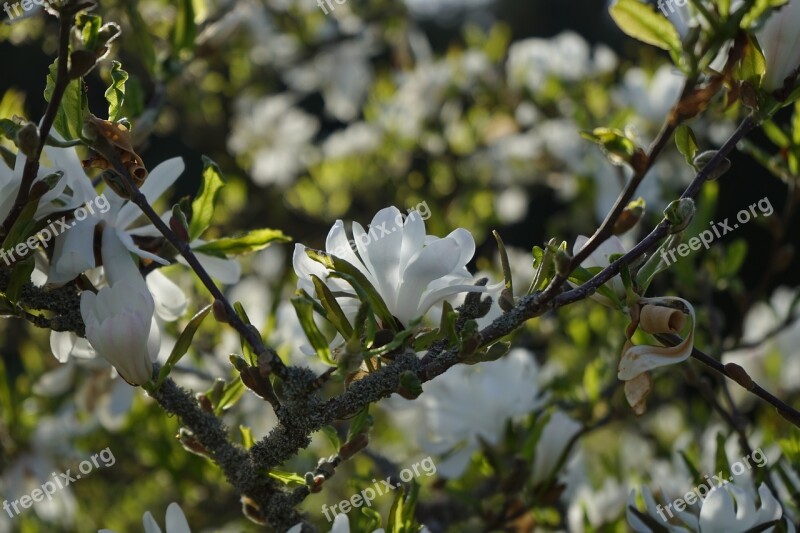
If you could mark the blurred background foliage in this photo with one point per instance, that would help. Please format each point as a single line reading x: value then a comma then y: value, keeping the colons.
x: 471, y: 107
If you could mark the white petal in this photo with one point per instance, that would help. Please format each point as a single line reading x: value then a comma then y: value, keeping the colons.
x: 159, y: 180
x: 176, y: 521
x: 149, y: 523
x: 169, y: 298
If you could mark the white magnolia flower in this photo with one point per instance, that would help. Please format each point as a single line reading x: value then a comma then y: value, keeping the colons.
x: 601, y: 257
x: 72, y: 190
x: 780, y: 42
x: 273, y: 138
x: 176, y: 522
x: 731, y: 508
x: 341, y: 524
x: 74, y: 250
x: 410, y: 270
x: 469, y: 403
x: 119, y: 318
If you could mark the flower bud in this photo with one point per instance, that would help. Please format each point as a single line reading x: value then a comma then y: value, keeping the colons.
x: 28, y: 139
x: 703, y: 159
x: 679, y: 214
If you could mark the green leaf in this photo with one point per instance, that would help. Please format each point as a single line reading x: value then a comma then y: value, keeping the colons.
x: 203, y: 206
x: 305, y: 314
x: 185, y: 31
x: 250, y: 242
x: 366, y: 292
x: 20, y: 275
x: 248, y: 352
x: 115, y: 94
x: 230, y: 395
x: 9, y: 129
x: 361, y: 423
x: 581, y: 275
x: 776, y: 134
x: 374, y: 519
x: 617, y: 146
x: 721, y: 458
x: 398, y: 340
x: 183, y: 344
x: 735, y: 255
x: 89, y: 25
x: 140, y: 36
x: 74, y: 105
x: 686, y: 143
x: 287, y: 477
x: 753, y: 65
x: 333, y: 311
x: 333, y: 437
x: 641, y: 22
x: 247, y: 437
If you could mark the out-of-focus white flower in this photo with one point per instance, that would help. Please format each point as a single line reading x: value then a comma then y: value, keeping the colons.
x: 599, y: 506
x: 119, y: 318
x: 468, y: 403
x: 342, y: 73
x: 567, y: 56
x: 762, y: 320
x: 357, y: 138
x: 650, y: 96
x: 555, y: 436
x: 601, y: 257
x: 780, y: 42
x: 273, y: 138
x: 728, y: 509
x: 176, y: 522
x: 410, y: 270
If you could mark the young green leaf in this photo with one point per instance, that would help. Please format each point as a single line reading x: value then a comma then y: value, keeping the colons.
x: 333, y: 311
x: 250, y: 242
x: 305, y: 314
x: 74, y: 105
x: 641, y: 22
x: 686, y: 143
x: 115, y: 94
x: 203, y: 205
x: 182, y: 345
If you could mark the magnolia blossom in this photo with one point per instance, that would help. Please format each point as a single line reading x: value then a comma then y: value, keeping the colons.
x: 176, y: 522
x: 731, y: 508
x: 780, y: 42
x: 601, y: 257
x: 119, y: 318
x: 468, y: 404
x: 72, y: 190
x: 410, y: 270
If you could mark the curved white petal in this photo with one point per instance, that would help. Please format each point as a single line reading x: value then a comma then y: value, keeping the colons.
x: 176, y: 520
x: 169, y: 298
x: 158, y: 181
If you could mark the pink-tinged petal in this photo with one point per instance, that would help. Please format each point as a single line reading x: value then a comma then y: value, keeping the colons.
x: 160, y: 179
x: 127, y: 241
x: 169, y: 298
